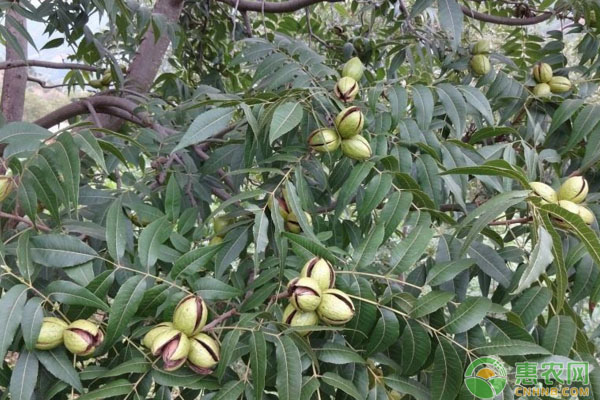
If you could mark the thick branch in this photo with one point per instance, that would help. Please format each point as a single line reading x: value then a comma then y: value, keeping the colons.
x: 45, y: 64
x: 120, y: 113
x: 142, y: 71
x: 494, y: 19
x: 81, y: 107
x: 270, y: 7
x: 119, y: 107
x: 15, y: 80
x: 149, y: 56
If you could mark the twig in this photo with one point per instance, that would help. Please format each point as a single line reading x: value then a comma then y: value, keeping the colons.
x: 220, y: 193
x: 512, y: 221
x: 327, y: 208
x: 450, y: 207
x: 310, y: 31
x: 408, y: 22
x: 226, y: 178
x: 219, y: 135
x: 331, y: 206
x: 45, y: 64
x: 494, y: 19
x: 278, y: 296
x: 40, y: 226
x: 247, y: 24
x: 219, y: 319
x: 250, y: 280
x: 444, y: 207
x: 188, y: 192
x: 163, y: 174
x: 93, y: 113
x: 117, y: 174
x: 127, y: 91
x: 404, y: 10
x: 44, y: 84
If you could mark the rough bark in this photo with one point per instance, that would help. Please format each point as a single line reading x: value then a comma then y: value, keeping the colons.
x: 149, y: 57
x: 15, y: 79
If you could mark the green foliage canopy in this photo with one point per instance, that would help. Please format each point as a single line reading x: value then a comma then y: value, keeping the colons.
x: 438, y: 239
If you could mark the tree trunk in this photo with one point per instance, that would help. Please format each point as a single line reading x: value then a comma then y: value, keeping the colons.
x: 15, y: 79
x: 149, y: 57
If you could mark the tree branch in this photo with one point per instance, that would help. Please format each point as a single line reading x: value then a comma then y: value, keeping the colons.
x: 18, y: 218
x: 81, y: 107
x: 93, y: 113
x: 15, y: 80
x: 311, y: 33
x: 219, y: 135
x: 149, y: 56
x: 269, y: 7
x: 139, y: 79
x: 276, y: 297
x: 226, y: 178
x: 45, y: 64
x: 512, y: 221
x: 443, y: 207
x: 120, y: 113
x: 494, y: 19
x: 220, y: 193
x: 247, y: 25
x: 450, y: 207
x: 219, y: 319
x: 44, y: 84
x: 409, y: 25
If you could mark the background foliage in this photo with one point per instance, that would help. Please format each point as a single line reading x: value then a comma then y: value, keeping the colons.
x: 436, y: 237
